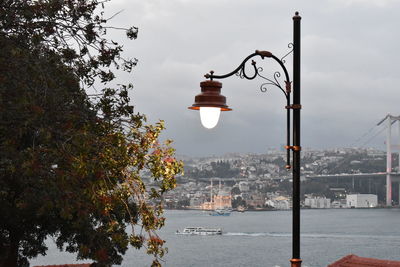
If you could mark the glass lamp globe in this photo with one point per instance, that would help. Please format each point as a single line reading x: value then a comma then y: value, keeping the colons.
x: 209, y: 116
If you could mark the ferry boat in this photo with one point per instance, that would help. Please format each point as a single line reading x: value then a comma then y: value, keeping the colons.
x: 200, y: 231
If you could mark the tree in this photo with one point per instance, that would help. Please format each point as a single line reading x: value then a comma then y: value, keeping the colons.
x: 71, y: 164
x: 235, y: 190
x: 74, y: 29
x: 239, y: 201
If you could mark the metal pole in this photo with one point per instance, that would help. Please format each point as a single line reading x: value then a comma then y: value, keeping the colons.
x: 389, y: 162
x: 296, y: 260
x: 398, y: 169
x: 398, y: 149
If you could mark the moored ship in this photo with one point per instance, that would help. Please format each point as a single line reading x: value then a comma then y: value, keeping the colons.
x: 241, y: 209
x: 220, y: 212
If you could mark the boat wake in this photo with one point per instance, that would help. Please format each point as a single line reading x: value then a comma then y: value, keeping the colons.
x: 311, y: 235
x: 258, y: 234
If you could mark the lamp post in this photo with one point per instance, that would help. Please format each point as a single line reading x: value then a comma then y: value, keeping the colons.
x: 210, y: 102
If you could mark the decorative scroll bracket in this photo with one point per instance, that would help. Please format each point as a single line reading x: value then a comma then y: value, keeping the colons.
x: 286, y: 90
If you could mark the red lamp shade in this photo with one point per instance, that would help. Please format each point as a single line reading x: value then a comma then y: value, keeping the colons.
x: 210, y: 96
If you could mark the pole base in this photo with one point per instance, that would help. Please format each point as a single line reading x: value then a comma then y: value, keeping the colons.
x: 295, y: 262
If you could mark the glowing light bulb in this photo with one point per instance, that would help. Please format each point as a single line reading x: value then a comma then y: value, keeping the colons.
x: 209, y: 116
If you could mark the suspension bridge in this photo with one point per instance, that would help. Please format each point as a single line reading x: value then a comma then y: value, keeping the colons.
x: 391, y: 176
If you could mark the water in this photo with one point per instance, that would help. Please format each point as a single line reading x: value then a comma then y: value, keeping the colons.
x: 264, y: 239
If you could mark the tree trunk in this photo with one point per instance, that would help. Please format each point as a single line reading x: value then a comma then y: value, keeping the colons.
x: 11, y: 259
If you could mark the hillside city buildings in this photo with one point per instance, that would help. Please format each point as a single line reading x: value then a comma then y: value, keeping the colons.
x: 330, y: 179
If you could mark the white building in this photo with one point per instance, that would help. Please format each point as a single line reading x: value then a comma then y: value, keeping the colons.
x: 339, y: 204
x: 279, y: 203
x: 317, y: 202
x: 361, y: 201
x: 223, y: 200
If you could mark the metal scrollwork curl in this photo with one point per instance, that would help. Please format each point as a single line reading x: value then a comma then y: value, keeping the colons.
x: 277, y: 75
x: 264, y: 87
x: 291, y: 47
x: 274, y: 82
x: 240, y: 71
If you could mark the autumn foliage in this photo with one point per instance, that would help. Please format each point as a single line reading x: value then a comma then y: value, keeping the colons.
x: 71, y: 164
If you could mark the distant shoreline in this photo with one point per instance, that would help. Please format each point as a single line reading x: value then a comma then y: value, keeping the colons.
x: 303, y: 208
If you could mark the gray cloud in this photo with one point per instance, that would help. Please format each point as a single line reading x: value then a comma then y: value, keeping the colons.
x: 350, y: 72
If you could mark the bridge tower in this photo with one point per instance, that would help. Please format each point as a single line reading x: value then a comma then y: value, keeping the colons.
x: 390, y: 120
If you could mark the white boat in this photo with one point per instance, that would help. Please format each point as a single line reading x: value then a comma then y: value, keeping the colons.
x: 220, y: 212
x: 241, y: 209
x: 200, y: 231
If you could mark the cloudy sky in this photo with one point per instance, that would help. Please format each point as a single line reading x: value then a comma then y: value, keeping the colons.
x: 350, y: 69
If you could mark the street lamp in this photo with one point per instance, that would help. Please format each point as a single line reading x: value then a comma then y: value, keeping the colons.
x: 210, y: 103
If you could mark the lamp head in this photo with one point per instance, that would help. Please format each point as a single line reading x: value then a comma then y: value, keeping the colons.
x: 210, y: 102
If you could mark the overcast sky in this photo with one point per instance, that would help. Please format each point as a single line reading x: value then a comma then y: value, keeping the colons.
x: 350, y: 69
